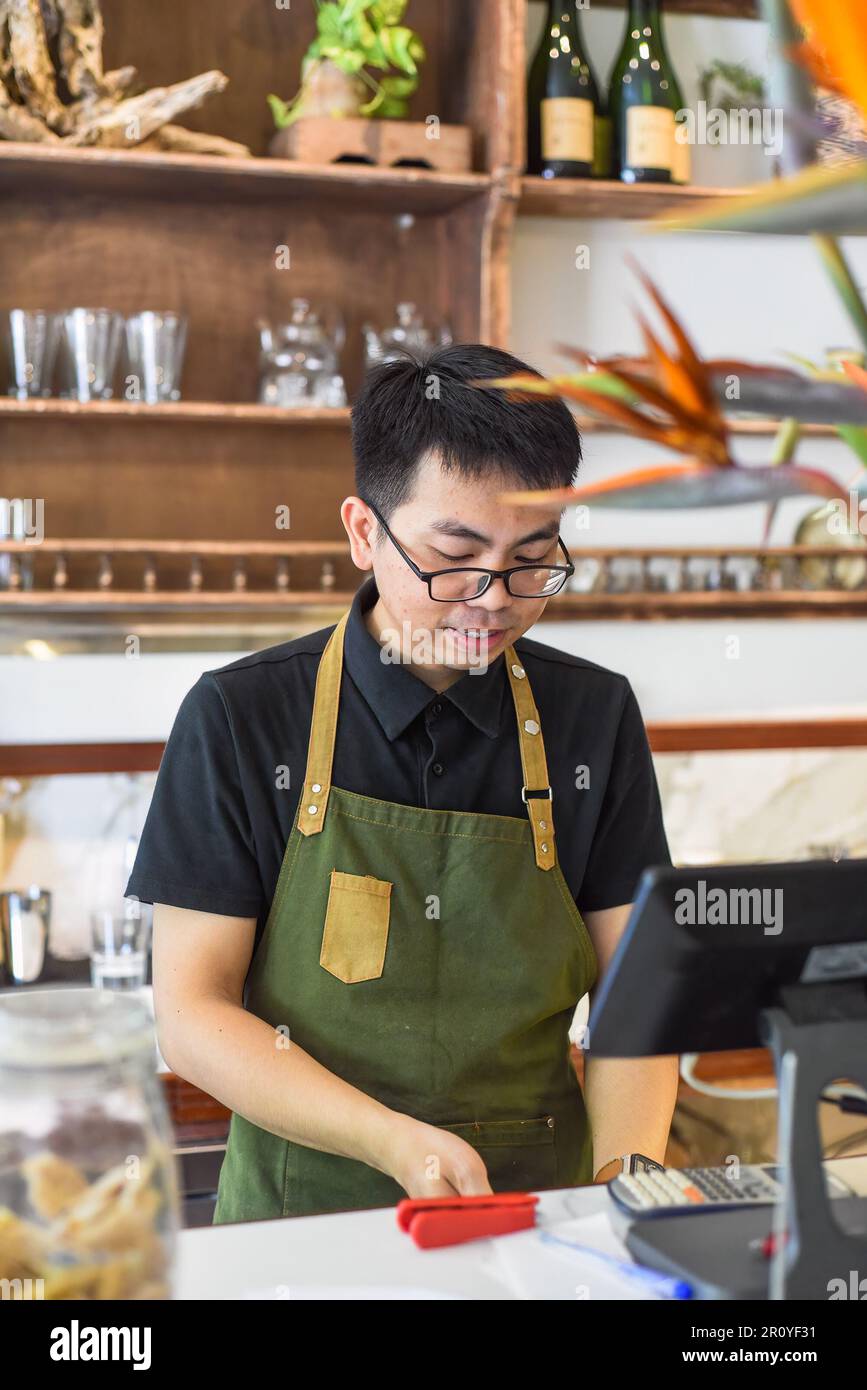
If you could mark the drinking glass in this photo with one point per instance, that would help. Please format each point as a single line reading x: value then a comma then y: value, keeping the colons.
x: 119, y: 948
x: 88, y: 353
x: 30, y: 347
x: 155, y: 342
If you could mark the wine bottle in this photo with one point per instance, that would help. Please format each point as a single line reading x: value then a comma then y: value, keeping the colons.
x: 645, y: 99
x: 563, y: 104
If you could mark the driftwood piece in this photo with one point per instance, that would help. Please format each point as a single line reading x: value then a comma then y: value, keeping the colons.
x: 115, y: 85
x: 16, y: 123
x: 177, y: 138
x: 117, y: 82
x: 79, y: 45
x: 53, y: 86
x: 31, y: 63
x: 133, y: 120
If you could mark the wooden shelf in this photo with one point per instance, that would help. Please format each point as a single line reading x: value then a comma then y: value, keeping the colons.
x: 252, y: 413
x: 719, y: 9
x: 726, y: 603
x: 172, y: 412
x: 597, y: 198
x: 584, y: 608
x: 125, y: 173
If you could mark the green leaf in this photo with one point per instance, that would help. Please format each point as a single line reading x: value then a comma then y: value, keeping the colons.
x: 371, y: 107
x: 388, y: 11
x: 396, y: 42
x: 674, y: 486
x: 782, y: 395
x: 856, y: 437
x: 376, y: 54
x: 393, y: 108
x: 786, y: 441
x: 817, y: 200
x: 279, y: 111
x: 367, y: 36
x: 347, y: 60
x: 400, y: 86
x: 844, y: 283
x: 329, y: 24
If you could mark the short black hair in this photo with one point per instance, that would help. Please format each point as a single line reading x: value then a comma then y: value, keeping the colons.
x: 422, y: 403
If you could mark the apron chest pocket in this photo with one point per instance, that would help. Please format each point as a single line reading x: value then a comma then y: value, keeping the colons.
x: 356, y: 927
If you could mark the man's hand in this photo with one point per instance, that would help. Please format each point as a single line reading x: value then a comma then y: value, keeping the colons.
x: 432, y: 1162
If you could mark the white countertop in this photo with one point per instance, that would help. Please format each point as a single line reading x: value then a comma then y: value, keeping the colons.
x: 323, y: 1256
x: 339, y: 1256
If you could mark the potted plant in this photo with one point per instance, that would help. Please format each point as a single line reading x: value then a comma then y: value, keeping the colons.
x: 355, y: 42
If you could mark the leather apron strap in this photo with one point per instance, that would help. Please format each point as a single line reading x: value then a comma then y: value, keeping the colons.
x: 536, y: 792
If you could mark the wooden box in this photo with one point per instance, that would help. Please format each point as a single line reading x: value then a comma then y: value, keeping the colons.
x: 323, y: 140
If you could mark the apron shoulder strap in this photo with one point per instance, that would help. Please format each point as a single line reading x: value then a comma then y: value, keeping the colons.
x: 323, y: 730
x: 536, y: 792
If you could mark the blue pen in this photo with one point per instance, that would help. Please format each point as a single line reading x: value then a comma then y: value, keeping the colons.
x: 662, y: 1284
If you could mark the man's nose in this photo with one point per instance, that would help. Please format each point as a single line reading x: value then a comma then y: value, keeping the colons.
x: 495, y: 598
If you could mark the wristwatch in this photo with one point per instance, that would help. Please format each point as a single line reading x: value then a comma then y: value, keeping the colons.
x: 627, y: 1163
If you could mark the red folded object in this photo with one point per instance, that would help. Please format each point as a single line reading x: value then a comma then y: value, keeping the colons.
x: 436, y: 1221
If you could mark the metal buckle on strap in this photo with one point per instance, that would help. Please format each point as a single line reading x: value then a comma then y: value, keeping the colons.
x: 544, y: 793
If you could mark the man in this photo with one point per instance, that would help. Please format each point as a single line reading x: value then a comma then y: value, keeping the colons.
x: 388, y: 859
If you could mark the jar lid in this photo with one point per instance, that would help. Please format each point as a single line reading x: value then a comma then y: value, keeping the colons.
x: 71, y: 1026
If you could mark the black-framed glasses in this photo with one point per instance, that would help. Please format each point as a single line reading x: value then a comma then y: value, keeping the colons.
x: 465, y: 584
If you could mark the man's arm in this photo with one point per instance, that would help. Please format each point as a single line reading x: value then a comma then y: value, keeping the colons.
x: 630, y: 1100
x: 200, y: 962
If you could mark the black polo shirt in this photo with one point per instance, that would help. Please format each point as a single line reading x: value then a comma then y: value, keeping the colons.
x: 228, y: 784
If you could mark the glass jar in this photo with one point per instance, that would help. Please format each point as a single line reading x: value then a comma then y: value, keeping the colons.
x: 89, y: 1205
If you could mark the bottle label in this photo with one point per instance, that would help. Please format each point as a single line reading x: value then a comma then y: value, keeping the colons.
x: 567, y: 129
x: 681, y: 169
x: 650, y: 142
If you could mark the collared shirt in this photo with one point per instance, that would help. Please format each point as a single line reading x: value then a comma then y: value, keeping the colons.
x: 234, y: 764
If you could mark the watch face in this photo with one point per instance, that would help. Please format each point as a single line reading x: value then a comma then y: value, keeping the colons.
x: 640, y: 1163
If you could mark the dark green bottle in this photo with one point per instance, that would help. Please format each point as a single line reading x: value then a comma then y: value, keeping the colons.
x: 563, y: 105
x: 644, y: 100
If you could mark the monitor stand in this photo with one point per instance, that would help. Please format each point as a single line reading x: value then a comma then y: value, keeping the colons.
x: 818, y: 1035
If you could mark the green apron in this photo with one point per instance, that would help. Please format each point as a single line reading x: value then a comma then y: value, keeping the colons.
x: 433, y: 959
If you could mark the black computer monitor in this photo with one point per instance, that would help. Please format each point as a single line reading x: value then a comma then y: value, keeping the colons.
x: 705, y: 950
x: 741, y: 956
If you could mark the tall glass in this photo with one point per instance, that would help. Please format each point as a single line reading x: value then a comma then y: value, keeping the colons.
x: 29, y: 347
x: 88, y: 353
x: 155, y: 343
x: 119, y: 948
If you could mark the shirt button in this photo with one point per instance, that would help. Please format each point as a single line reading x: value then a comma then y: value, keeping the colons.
x: 436, y: 709
x: 438, y: 769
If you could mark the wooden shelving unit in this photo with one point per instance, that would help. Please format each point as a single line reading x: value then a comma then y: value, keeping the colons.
x: 197, y: 233
x: 200, y: 234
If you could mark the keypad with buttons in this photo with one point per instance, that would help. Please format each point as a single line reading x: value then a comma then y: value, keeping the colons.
x: 692, y: 1187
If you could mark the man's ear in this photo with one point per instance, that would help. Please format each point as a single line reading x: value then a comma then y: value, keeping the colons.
x: 361, y: 527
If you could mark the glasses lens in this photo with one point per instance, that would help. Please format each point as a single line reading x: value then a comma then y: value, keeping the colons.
x: 536, y: 583
x: 453, y: 585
